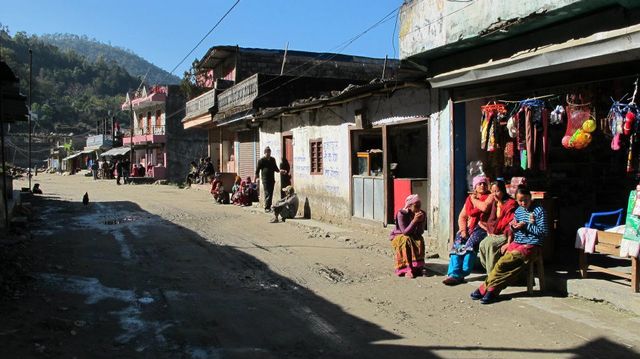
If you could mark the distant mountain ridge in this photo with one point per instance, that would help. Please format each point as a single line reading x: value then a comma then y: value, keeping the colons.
x: 92, y: 49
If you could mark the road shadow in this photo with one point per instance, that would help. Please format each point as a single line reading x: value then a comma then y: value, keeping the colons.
x: 113, y: 280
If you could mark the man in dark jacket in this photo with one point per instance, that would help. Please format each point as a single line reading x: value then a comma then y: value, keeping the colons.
x: 118, y: 171
x: 268, y: 166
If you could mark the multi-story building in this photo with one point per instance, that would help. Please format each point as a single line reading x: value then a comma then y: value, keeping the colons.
x: 158, y: 139
x: 242, y: 80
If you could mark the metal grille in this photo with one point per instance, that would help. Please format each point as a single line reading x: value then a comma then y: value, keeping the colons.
x: 247, y: 153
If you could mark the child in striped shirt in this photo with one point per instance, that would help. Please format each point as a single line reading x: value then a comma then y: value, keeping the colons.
x: 529, y: 228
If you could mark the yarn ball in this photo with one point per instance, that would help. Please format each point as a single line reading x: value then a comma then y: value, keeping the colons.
x: 565, y: 141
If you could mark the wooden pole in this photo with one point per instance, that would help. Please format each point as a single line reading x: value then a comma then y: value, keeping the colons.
x: 133, y: 117
x: 284, y: 59
x: 384, y: 66
x: 4, y: 169
x: 30, y: 78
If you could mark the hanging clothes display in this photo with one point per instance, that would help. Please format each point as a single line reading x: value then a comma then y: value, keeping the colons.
x: 490, y: 130
x: 620, y: 122
x: 531, y: 120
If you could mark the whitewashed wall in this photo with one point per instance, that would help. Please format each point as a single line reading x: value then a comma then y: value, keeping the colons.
x: 328, y: 193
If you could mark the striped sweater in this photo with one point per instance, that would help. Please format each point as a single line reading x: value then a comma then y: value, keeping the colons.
x: 532, y: 233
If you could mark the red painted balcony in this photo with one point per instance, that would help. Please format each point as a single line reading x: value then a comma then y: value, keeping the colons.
x: 155, y: 134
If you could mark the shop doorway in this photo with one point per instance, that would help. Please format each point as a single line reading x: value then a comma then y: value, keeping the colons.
x: 287, y: 141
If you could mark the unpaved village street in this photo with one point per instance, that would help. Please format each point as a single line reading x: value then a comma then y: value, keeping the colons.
x: 161, y: 272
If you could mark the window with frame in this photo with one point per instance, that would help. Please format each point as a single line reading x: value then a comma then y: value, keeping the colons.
x: 315, y: 154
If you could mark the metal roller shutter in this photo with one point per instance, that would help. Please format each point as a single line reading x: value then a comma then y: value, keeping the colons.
x: 246, y: 156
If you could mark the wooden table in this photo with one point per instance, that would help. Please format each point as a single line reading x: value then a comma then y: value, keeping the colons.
x: 609, y: 243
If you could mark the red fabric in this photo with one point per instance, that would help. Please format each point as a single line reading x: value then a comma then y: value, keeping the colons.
x: 474, y: 215
x: 507, y: 211
x: 214, y: 183
x: 525, y: 249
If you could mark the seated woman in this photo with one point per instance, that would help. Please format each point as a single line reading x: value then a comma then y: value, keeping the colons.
x: 241, y: 195
x: 252, y: 191
x: 220, y: 195
x: 236, y: 186
x: 497, y: 226
x: 406, y: 238
x: 529, y: 228
x: 463, y: 252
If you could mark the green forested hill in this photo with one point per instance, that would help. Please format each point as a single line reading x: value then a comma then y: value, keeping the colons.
x: 69, y: 92
x: 94, y: 50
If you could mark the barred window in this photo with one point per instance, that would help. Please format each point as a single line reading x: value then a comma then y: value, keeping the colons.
x: 315, y: 149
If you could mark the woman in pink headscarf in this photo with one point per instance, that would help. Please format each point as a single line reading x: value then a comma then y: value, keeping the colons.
x: 406, y: 238
x: 462, y: 255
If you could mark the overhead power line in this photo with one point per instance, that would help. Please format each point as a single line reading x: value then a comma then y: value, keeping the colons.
x: 205, y: 36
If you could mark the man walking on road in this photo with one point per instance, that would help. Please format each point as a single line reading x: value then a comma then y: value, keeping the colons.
x: 94, y: 169
x: 118, y: 171
x: 268, y: 166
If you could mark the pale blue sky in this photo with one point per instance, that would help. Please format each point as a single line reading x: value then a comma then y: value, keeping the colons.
x: 164, y: 31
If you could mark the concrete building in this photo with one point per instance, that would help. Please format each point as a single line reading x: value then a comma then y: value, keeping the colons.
x: 12, y: 109
x: 160, y: 142
x: 349, y: 150
x: 480, y: 51
x: 234, y: 77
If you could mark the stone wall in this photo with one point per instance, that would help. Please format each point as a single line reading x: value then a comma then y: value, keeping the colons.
x: 183, y: 146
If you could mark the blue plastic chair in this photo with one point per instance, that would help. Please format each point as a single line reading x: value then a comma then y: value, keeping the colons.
x: 595, y: 223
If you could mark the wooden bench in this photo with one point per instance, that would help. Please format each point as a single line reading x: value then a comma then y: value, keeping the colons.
x: 536, y: 261
x: 609, y: 243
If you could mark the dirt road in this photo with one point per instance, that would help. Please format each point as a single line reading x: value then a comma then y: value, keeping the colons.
x: 161, y: 272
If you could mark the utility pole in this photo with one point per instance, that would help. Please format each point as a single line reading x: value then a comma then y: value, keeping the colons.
x: 4, y: 168
x: 384, y: 67
x: 284, y: 59
x: 30, y: 80
x: 133, y: 116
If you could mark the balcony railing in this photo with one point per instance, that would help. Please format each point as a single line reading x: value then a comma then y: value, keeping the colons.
x: 153, y: 130
x: 201, y: 104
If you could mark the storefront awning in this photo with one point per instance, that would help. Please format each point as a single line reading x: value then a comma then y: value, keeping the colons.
x: 118, y: 151
x: 72, y: 156
x: 83, y: 152
x: 604, y: 48
x: 398, y: 120
x: 197, y: 121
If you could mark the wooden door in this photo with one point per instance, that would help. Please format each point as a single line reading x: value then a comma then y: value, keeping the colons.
x: 288, y: 153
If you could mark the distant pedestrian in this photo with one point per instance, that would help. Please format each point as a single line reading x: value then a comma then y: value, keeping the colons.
x: 126, y: 165
x: 118, y: 171
x: 208, y: 171
x: 191, y: 176
x: 287, y: 207
x: 285, y: 176
x: 201, y: 166
x: 94, y: 169
x: 36, y: 189
x: 266, y: 169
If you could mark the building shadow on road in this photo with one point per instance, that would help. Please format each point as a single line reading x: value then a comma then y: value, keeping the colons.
x: 112, y: 280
